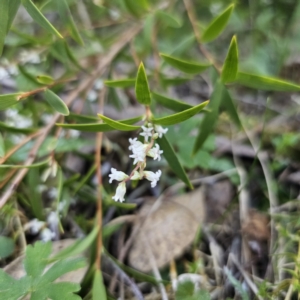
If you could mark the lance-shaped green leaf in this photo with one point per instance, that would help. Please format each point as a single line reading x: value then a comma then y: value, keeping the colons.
x: 36, y: 165
x: 13, y: 8
x: 168, y: 19
x: 230, y: 66
x: 183, y: 65
x: 2, y: 146
x: 98, y: 289
x: 229, y: 105
x: 57, y: 103
x: 141, y: 86
x: 44, y: 79
x: 210, y: 119
x: 9, y: 100
x: 170, y: 103
x: 266, y: 83
x: 120, y: 83
x: 13, y: 129
x: 38, y: 17
x: 98, y: 127
x: 4, y: 13
x: 66, y: 16
x: 181, y: 116
x: 173, y: 161
x: 218, y: 24
x: 136, y: 8
x: 118, y: 125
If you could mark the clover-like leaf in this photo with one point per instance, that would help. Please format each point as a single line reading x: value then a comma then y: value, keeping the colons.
x: 218, y: 24
x: 230, y: 67
x: 141, y: 86
x: 118, y: 125
x: 181, y: 116
x: 185, y: 66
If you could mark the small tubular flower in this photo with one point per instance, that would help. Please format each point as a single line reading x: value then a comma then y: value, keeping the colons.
x: 160, y: 130
x: 155, y: 152
x: 120, y: 192
x: 147, y: 132
x: 153, y: 177
x: 117, y: 175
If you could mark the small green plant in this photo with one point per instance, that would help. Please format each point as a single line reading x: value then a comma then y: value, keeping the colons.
x: 186, y: 291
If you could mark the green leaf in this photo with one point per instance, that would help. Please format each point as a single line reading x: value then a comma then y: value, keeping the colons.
x: 66, y: 16
x: 98, y: 289
x: 57, y: 103
x: 215, y: 28
x: 210, y: 119
x: 141, y: 86
x: 230, y: 67
x: 78, y: 247
x: 120, y: 83
x: 136, y: 8
x: 168, y: 19
x: 13, y: 8
x: 4, y: 16
x: 45, y: 79
x: 38, y: 17
x: 181, y: 116
x: 15, y: 129
x: 229, y: 105
x: 42, y: 163
x: 9, y: 100
x: 183, y: 65
x: 266, y: 83
x: 173, y: 160
x: 118, y: 125
x: 7, y: 246
x: 170, y: 103
x: 2, y: 146
x: 185, y: 290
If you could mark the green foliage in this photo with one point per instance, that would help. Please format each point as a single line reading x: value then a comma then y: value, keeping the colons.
x: 186, y: 291
x: 168, y: 19
x: 185, y: 66
x: 141, y: 87
x: 215, y: 28
x: 57, y: 103
x: 230, y: 67
x: 120, y: 83
x: 98, y: 290
x: 37, y: 283
x: 118, y: 125
x: 8, y: 100
x: 170, y: 103
x: 7, y: 246
x: 4, y: 15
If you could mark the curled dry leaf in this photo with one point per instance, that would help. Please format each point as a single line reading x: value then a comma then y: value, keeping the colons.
x: 167, y: 230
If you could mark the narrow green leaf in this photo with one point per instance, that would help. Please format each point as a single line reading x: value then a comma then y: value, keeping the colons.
x: 170, y: 103
x: 98, y: 289
x: 136, y: 8
x: 230, y: 67
x: 45, y: 79
x: 168, y: 19
x: 173, y: 160
x: 141, y: 86
x: 7, y: 128
x: 98, y: 127
x: 128, y: 206
x: 181, y: 116
x: 13, y: 8
x: 210, y: 119
x: 4, y: 16
x: 68, y: 53
x: 78, y: 247
x: 183, y: 65
x: 266, y: 83
x: 120, y: 83
x: 57, y: 103
x: 81, y: 118
x: 118, y: 125
x: 8, y: 100
x: 66, y: 16
x: 218, y: 24
x: 38, y: 17
x: 2, y: 146
x: 229, y: 105
x: 7, y: 246
x: 173, y: 81
x: 39, y: 164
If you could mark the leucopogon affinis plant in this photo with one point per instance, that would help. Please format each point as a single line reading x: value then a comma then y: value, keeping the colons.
x: 154, y: 142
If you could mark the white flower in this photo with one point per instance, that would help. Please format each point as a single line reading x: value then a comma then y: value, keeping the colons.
x: 153, y: 177
x: 35, y: 226
x: 155, y: 152
x: 135, y: 144
x: 53, y: 219
x: 136, y: 176
x: 138, y: 156
x: 47, y: 235
x: 147, y: 132
x: 120, y: 192
x: 116, y: 175
x: 160, y: 130
x: 138, y: 150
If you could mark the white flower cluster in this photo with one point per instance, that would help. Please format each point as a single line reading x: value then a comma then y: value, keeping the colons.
x: 139, y: 153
